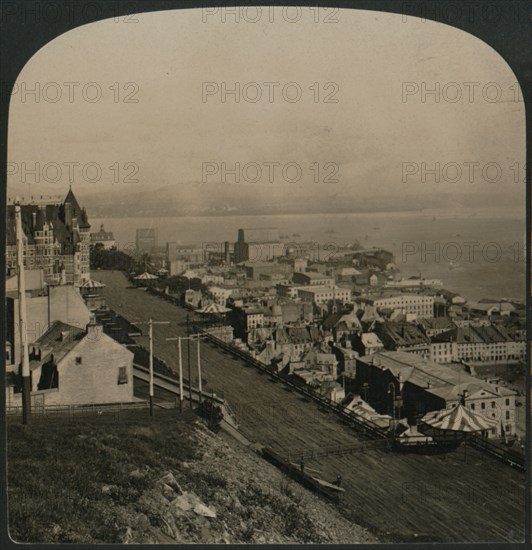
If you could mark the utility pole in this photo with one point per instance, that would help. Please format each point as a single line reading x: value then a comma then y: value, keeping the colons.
x: 180, y: 362
x: 199, y: 370
x: 181, y: 376
x: 391, y: 391
x: 188, y: 362
x: 21, y: 283
x: 188, y: 338
x: 150, y: 324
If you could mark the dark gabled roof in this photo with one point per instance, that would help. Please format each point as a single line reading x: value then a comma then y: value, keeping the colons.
x: 34, y: 217
x: 77, y: 211
x: 474, y: 334
x: 63, y: 236
x: 42, y: 214
x: 331, y: 320
x: 58, y: 340
x: 436, y: 323
x: 401, y: 334
x: 297, y: 335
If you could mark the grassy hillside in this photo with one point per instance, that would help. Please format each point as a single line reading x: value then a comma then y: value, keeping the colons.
x: 168, y: 479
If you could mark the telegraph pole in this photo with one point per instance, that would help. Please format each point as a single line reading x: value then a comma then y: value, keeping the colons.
x: 150, y: 324
x: 188, y: 362
x: 181, y: 376
x: 180, y: 362
x: 199, y: 370
x: 26, y: 381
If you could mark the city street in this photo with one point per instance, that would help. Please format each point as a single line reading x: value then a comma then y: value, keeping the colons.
x: 459, y: 496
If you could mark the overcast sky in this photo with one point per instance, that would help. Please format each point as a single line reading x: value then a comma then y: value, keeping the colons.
x: 369, y: 133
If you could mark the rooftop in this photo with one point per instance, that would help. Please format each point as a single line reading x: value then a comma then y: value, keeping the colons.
x: 58, y: 340
x: 437, y: 379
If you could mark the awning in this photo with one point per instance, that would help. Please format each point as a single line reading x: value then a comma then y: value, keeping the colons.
x: 459, y: 419
x: 213, y: 308
x: 91, y: 284
x: 146, y: 277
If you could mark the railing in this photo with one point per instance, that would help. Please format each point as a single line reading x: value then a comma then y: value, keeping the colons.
x: 174, y: 382
x: 72, y: 409
x: 364, y: 426
x: 511, y: 457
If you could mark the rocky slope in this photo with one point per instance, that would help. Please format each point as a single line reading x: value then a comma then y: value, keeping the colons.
x: 166, y: 480
x: 230, y: 495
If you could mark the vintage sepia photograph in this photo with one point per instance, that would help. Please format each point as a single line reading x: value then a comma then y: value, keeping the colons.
x: 265, y: 279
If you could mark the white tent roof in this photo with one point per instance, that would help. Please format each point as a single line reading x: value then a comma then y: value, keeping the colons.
x: 91, y: 284
x: 213, y: 308
x: 146, y: 277
x: 459, y: 419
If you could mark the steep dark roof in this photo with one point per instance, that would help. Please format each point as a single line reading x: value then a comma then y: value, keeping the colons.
x: 53, y: 215
x: 436, y: 323
x: 297, y: 335
x: 400, y: 334
x: 58, y: 340
x: 77, y: 211
x: 474, y: 334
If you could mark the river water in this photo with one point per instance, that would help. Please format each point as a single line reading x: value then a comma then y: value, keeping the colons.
x: 480, y: 254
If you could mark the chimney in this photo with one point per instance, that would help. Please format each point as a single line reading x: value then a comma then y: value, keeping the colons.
x: 94, y: 330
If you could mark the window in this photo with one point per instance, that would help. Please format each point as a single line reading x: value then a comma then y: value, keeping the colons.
x: 472, y: 406
x: 507, y: 415
x: 507, y: 402
x: 78, y: 360
x: 122, y: 375
x: 483, y: 405
x: 493, y: 404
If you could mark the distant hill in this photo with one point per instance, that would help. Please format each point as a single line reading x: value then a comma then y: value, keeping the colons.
x: 190, y: 199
